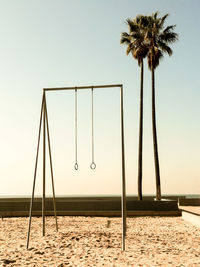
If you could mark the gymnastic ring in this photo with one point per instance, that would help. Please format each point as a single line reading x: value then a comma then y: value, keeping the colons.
x: 76, y: 166
x: 93, y: 166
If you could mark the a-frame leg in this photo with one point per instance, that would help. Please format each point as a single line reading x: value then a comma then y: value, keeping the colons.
x: 35, y: 172
x: 44, y: 167
x: 51, y: 166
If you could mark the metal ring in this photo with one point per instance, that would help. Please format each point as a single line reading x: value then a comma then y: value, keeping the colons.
x: 76, y: 166
x: 93, y: 166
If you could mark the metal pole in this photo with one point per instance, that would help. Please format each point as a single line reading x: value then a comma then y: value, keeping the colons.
x: 44, y: 167
x: 35, y: 172
x: 82, y: 87
x: 51, y: 166
x: 123, y: 173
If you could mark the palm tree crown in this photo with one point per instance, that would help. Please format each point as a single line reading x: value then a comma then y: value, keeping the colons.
x: 135, y: 39
x: 158, y: 38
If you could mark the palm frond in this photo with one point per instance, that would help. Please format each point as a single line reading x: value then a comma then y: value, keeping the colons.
x: 158, y: 56
x: 138, y: 19
x: 155, y: 15
x: 136, y: 35
x: 133, y: 27
x: 125, y: 38
x: 129, y: 49
x: 164, y: 47
x: 169, y: 37
x: 150, y: 22
x: 144, y: 21
x: 162, y: 20
x: 169, y: 28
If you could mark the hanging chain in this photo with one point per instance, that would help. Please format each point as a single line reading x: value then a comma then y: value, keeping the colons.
x: 92, y: 165
x: 76, y: 136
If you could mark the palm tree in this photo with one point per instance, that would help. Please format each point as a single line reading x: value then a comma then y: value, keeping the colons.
x: 158, y: 40
x: 135, y: 41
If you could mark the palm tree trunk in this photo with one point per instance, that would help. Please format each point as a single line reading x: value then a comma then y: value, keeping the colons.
x: 140, y: 135
x: 155, y: 146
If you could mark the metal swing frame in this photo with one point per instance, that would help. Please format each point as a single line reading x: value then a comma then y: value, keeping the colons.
x: 44, y: 119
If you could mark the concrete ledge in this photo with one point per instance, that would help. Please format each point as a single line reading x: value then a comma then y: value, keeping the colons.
x: 191, y: 209
x: 189, y: 201
x: 192, y: 218
x: 90, y: 206
x: 191, y: 214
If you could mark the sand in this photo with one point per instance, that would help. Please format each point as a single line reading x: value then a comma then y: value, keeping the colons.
x: 93, y: 241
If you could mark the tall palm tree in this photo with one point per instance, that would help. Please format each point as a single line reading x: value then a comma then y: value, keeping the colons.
x: 158, y: 40
x: 135, y: 41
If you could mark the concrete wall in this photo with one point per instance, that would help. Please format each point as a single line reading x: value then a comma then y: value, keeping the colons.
x: 101, y: 206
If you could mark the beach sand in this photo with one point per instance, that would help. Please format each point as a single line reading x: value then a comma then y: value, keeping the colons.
x: 93, y: 241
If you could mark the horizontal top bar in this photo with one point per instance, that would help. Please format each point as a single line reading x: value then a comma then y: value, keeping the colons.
x: 82, y: 87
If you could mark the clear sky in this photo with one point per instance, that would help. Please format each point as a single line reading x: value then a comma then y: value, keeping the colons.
x: 53, y: 43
